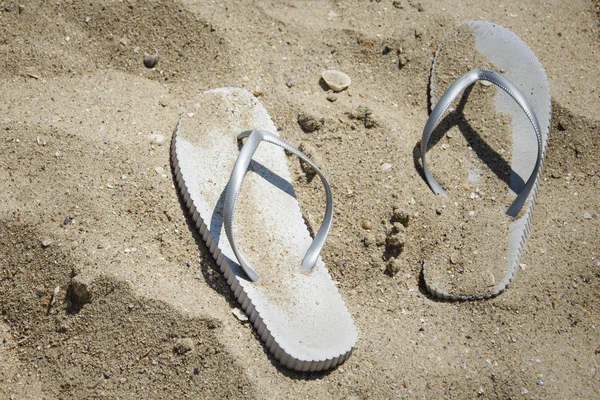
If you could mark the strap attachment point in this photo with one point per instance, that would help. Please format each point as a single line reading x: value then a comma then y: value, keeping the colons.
x: 442, y: 105
x: 255, y: 137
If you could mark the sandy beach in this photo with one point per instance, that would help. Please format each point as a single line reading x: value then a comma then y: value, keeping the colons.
x: 108, y: 291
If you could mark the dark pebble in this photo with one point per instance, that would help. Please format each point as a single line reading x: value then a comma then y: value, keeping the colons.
x: 150, y: 61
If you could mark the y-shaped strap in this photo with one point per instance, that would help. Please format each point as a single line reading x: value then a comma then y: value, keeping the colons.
x: 453, y: 91
x: 235, y: 184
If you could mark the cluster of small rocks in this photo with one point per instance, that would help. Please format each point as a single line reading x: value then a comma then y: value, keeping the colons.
x: 365, y: 115
x: 396, y: 239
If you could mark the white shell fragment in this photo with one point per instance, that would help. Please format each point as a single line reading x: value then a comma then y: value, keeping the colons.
x: 157, y: 138
x: 239, y: 314
x: 336, y: 80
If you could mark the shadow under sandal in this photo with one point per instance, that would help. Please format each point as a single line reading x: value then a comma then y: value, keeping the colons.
x: 266, y: 252
x: 489, y: 158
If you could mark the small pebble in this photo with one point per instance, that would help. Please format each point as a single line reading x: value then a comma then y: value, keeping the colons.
x: 46, y: 243
x: 587, y: 215
x: 331, y: 97
x: 239, y: 314
x: 449, y: 134
x: 336, y: 80
x: 181, y: 53
x: 524, y: 391
x: 157, y: 138
x: 105, y: 140
x: 150, y: 61
x: 386, y: 166
x: 289, y: 83
x: 539, y: 382
x: 67, y: 220
x: 438, y: 211
x: 366, y: 224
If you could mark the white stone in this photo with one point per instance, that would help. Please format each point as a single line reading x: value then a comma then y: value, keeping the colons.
x: 239, y: 314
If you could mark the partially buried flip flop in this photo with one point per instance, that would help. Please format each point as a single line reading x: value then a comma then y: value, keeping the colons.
x: 266, y: 252
x: 490, y: 172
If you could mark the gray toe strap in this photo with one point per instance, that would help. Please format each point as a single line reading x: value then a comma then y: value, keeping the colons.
x: 235, y: 184
x: 440, y: 108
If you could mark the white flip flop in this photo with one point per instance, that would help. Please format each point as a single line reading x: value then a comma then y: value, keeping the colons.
x: 520, y: 93
x: 266, y: 254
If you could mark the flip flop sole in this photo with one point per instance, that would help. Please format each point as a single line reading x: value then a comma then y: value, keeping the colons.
x: 300, y: 316
x: 485, y: 45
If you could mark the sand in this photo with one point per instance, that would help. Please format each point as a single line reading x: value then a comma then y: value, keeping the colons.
x: 88, y: 203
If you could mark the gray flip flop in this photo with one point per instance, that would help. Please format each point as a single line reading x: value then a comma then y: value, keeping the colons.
x: 266, y: 253
x: 524, y: 96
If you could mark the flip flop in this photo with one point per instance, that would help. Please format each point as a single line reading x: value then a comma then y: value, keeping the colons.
x: 477, y: 233
x: 266, y: 252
